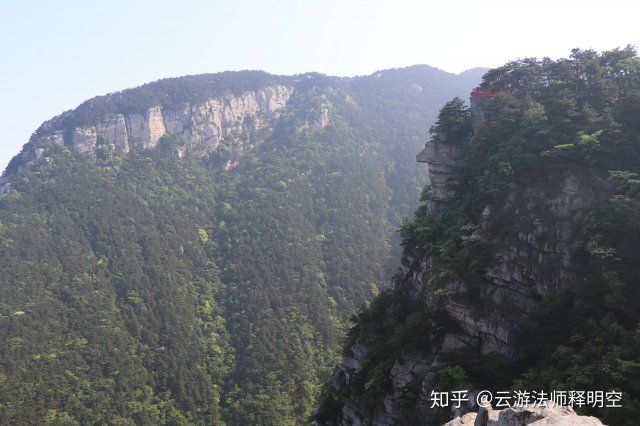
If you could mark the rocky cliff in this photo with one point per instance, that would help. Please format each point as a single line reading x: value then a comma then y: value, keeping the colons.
x: 534, y: 258
x: 516, y: 187
x: 545, y: 414
x: 242, y: 120
x: 536, y: 255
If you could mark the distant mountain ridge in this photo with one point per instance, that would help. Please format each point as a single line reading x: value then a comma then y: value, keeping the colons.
x: 202, y: 109
x: 190, y: 251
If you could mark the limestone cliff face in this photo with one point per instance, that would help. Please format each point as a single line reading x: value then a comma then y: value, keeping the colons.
x: 203, y: 126
x: 443, y: 160
x: 535, y: 251
x: 533, y: 260
x: 241, y: 121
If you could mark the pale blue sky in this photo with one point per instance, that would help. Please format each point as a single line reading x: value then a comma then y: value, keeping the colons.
x: 55, y: 54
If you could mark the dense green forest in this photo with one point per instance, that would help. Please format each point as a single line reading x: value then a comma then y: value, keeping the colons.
x: 537, y: 125
x: 149, y: 289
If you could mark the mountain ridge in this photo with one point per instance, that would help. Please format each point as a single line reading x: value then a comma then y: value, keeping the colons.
x: 145, y: 287
x: 171, y: 93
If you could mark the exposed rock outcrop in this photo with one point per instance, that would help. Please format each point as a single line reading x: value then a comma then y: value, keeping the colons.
x: 145, y: 130
x: 349, y: 364
x: 202, y: 126
x: 240, y: 121
x: 534, y: 415
x: 477, y: 107
x: 319, y: 118
x: 535, y: 254
x: 443, y: 160
x: 115, y: 130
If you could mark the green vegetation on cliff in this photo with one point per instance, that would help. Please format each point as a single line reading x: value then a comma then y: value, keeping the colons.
x: 148, y: 289
x: 536, y: 237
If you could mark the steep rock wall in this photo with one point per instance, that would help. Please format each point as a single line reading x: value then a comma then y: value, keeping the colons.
x: 535, y: 254
x: 242, y: 121
x: 443, y: 160
x: 202, y: 125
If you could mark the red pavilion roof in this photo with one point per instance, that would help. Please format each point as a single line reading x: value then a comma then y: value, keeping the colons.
x: 483, y: 93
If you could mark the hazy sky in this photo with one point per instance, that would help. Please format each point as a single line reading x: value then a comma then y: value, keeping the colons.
x: 55, y: 54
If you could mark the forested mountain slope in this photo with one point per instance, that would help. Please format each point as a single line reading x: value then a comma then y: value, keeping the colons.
x: 520, y: 269
x: 188, y: 252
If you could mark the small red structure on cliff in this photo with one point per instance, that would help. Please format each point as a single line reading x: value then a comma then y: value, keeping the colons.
x: 483, y: 93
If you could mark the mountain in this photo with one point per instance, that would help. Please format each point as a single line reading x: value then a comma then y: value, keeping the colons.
x: 520, y: 267
x: 190, y: 251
